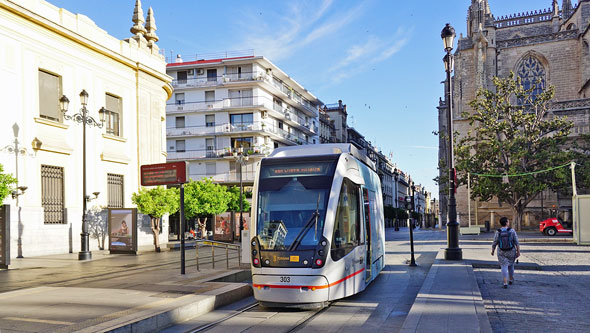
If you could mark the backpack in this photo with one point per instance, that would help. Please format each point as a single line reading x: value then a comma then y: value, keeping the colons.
x: 505, y: 239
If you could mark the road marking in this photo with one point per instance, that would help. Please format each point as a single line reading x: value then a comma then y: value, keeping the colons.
x: 44, y: 321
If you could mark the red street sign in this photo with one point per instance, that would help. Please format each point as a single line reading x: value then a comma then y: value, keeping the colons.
x: 163, y: 174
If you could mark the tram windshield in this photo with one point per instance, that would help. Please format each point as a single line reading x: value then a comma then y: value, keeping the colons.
x: 292, y: 202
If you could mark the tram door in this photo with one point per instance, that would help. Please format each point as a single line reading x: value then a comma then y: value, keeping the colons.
x: 367, y: 234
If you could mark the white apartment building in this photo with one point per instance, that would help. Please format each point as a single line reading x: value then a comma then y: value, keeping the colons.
x: 47, y: 52
x: 220, y: 105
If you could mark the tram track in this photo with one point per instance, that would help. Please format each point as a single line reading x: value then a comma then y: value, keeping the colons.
x: 252, y: 307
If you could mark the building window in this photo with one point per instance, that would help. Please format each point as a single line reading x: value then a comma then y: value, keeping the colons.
x: 115, y: 191
x: 242, y: 121
x: 181, y: 77
x: 180, y: 122
x: 347, y: 223
x: 240, y: 97
x: 210, y: 145
x: 210, y: 169
x: 210, y: 120
x: 210, y: 96
x: 179, y: 97
x: 532, y: 74
x: 180, y: 146
x: 241, y: 142
x: 49, y: 94
x: 113, y: 115
x: 212, y: 75
x: 52, y: 194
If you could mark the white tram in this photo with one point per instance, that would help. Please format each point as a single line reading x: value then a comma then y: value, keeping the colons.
x: 318, y: 225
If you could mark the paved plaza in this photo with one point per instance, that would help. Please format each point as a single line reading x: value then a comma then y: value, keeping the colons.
x: 555, y: 298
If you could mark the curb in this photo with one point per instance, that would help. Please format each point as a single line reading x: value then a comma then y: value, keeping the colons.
x: 420, y: 310
x: 156, y: 316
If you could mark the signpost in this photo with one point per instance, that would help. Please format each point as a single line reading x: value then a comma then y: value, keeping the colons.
x: 4, y: 236
x: 174, y: 173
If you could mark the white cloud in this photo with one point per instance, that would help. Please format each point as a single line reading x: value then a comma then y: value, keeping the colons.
x: 298, y: 28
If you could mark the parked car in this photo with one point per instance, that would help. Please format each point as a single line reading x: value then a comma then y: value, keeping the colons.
x: 553, y: 226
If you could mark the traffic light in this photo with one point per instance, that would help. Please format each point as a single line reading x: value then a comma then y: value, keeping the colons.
x: 408, y: 202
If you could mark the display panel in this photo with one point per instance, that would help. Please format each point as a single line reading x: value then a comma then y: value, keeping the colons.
x: 122, y: 230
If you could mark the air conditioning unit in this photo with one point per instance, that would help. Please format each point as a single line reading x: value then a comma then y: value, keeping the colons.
x: 180, y: 108
x: 200, y: 71
x: 264, y: 114
x: 191, y: 72
x: 171, y: 147
x: 210, y: 106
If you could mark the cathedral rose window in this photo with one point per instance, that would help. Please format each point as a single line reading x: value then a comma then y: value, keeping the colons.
x: 532, y: 74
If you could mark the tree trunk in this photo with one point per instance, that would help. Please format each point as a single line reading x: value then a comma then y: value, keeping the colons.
x: 156, y: 231
x: 202, y: 222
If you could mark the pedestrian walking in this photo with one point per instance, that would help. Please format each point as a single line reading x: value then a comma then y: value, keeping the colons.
x: 508, y: 250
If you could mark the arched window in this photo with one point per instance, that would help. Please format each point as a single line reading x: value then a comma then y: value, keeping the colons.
x: 532, y: 74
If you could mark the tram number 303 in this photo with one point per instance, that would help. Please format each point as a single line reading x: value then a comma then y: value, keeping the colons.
x: 285, y: 279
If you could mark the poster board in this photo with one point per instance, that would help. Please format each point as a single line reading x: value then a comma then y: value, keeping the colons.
x: 245, y: 222
x: 4, y: 236
x: 224, y: 227
x: 122, y: 229
x: 581, y: 212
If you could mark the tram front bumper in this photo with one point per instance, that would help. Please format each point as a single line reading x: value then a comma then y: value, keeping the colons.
x: 290, y: 288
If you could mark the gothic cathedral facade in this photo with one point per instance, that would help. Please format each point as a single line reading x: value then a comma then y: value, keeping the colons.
x: 552, y: 45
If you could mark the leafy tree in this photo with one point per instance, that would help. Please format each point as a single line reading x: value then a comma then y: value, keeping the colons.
x: 402, y: 214
x: 205, y: 198
x: 512, y: 134
x: 156, y: 202
x: 234, y: 203
x: 97, y: 224
x: 6, y: 182
x: 389, y: 212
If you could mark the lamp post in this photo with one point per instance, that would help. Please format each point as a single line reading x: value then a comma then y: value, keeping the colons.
x: 84, y: 118
x: 410, y: 203
x: 241, y: 159
x: 396, y: 177
x: 452, y: 252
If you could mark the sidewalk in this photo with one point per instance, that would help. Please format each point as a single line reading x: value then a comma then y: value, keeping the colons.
x: 145, y: 292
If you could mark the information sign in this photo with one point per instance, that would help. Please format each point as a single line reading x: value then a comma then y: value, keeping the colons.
x: 122, y: 230
x: 163, y: 174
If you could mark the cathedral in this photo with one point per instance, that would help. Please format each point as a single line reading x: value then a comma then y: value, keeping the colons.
x: 550, y: 44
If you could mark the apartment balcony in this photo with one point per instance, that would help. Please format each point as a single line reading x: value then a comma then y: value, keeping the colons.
x: 232, y: 177
x: 203, y: 154
x: 216, y: 129
x: 285, y: 113
x: 230, y: 78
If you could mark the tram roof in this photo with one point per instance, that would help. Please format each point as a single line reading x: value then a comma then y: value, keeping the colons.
x: 323, y: 149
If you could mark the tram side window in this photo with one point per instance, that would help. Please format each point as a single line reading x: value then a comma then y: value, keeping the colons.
x: 347, y: 224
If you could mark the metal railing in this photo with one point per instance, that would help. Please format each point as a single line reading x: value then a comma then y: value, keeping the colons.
x: 222, y: 245
x: 288, y: 112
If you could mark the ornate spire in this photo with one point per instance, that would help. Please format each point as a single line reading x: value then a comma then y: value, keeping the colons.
x: 137, y: 29
x: 567, y: 9
x: 555, y: 8
x: 150, y: 26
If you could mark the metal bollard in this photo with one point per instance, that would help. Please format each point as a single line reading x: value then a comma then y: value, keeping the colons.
x: 197, y: 249
x: 239, y: 257
x: 213, y: 255
x: 226, y: 257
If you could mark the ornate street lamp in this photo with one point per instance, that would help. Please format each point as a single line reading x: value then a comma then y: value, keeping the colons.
x: 241, y: 159
x: 452, y: 252
x: 83, y: 118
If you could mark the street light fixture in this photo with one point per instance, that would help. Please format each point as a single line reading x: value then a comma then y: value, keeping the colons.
x: 241, y: 159
x: 84, y: 118
x: 410, y: 207
x: 453, y: 251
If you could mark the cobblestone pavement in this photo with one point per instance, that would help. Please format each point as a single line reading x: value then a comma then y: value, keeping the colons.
x: 553, y: 299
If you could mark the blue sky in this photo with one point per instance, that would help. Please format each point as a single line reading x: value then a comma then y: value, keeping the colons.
x: 382, y: 58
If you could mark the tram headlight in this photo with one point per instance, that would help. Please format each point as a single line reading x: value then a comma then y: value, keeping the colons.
x: 324, y: 243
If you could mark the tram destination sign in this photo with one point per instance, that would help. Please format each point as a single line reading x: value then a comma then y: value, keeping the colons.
x: 163, y: 174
